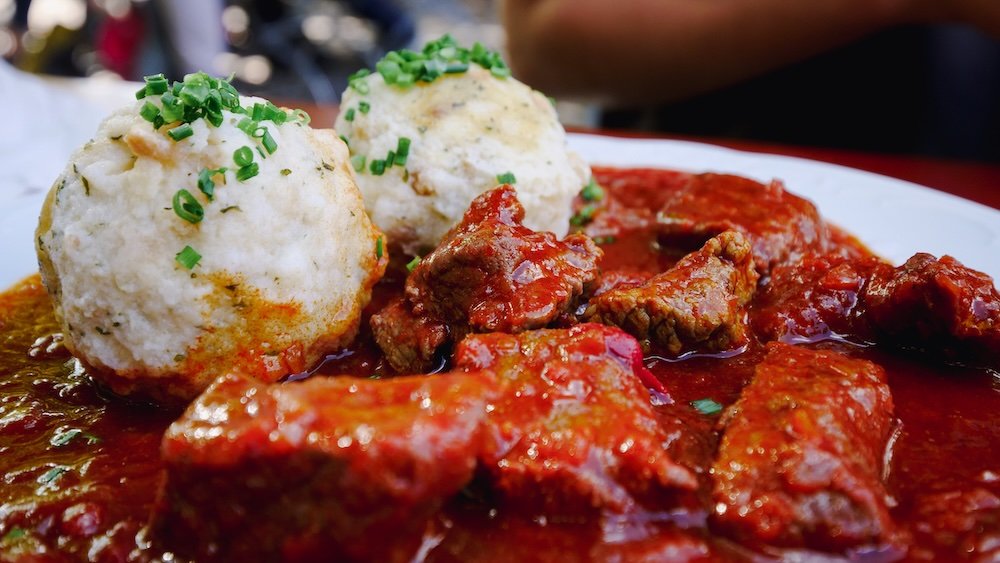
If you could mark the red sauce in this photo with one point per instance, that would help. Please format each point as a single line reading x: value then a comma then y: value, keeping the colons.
x: 81, y: 469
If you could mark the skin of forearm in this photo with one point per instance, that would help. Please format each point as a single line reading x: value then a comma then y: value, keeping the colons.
x: 642, y: 51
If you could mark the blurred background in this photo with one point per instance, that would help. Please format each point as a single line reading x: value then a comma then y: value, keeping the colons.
x: 291, y: 49
x: 939, y: 93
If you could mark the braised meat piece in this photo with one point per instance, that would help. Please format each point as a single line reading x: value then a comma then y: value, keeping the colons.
x: 781, y: 226
x: 939, y: 305
x: 619, y: 279
x: 410, y: 342
x: 814, y: 298
x: 317, y: 470
x: 490, y: 273
x: 696, y: 305
x: 572, y: 428
x: 800, y: 462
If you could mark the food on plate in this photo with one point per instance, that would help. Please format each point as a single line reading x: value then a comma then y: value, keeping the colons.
x: 319, y: 469
x: 489, y: 274
x: 772, y: 409
x: 800, y: 461
x: 200, y: 233
x: 430, y: 131
x: 572, y: 429
x: 781, y: 225
x: 935, y: 305
x: 698, y: 305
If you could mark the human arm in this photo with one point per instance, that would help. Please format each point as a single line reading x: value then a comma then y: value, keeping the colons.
x: 642, y: 51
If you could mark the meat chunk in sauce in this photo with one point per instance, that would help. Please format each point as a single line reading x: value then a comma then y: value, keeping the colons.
x: 572, y: 428
x: 937, y: 305
x: 781, y: 226
x: 411, y: 343
x: 318, y: 470
x: 490, y: 273
x: 814, y: 298
x: 696, y: 305
x: 800, y: 462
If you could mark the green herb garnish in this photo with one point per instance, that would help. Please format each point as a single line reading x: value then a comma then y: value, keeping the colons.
x: 182, y: 131
x: 506, y: 178
x: 187, y: 207
x: 188, y: 257
x: 243, y: 156
x: 378, y: 248
x: 404, y: 68
x: 358, y: 162
x: 583, y: 216
x: 205, y: 182
x: 707, y: 407
x: 412, y: 264
x: 247, y: 172
x: 592, y: 191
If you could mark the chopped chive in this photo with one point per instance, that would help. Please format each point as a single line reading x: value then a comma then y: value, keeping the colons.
x: 378, y: 248
x: 301, y: 116
x: 412, y: 264
x: 403, y: 146
x: 243, y: 156
x: 584, y: 216
x: 346, y: 142
x: 349, y: 115
x: 13, y: 534
x: 188, y: 257
x: 377, y: 167
x: 506, y: 178
x: 247, y: 125
x: 205, y: 182
x: 592, y: 191
x: 364, y: 107
x: 707, y: 406
x: 247, y: 172
x: 268, y: 141
x: 149, y: 112
x: 187, y: 207
x: 286, y: 171
x: 181, y: 132
x: 358, y: 162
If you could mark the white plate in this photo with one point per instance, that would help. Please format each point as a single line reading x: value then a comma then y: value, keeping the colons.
x: 895, y: 218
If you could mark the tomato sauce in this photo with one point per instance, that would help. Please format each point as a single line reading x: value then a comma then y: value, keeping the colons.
x: 80, y: 468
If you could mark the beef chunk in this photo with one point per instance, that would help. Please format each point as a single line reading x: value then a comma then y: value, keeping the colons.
x: 956, y: 521
x: 781, y: 226
x: 619, y: 279
x: 573, y: 428
x: 800, y: 462
x: 696, y: 305
x: 491, y: 273
x: 318, y: 470
x: 410, y: 342
x: 813, y: 299
x: 938, y: 305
